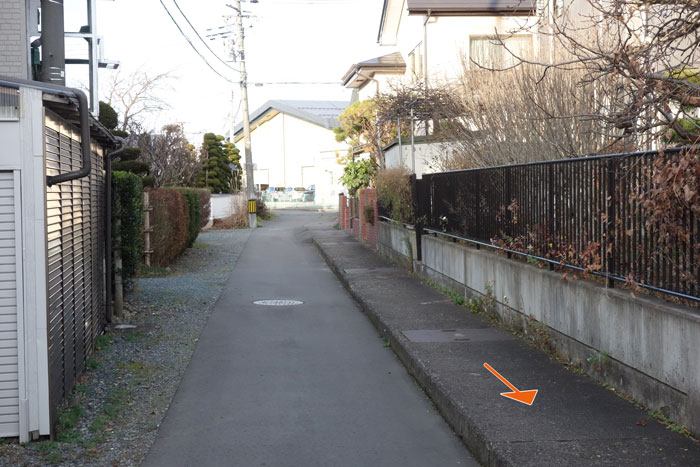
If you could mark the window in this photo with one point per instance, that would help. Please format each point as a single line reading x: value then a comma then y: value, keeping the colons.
x: 488, y: 52
x: 9, y: 103
x: 415, y: 63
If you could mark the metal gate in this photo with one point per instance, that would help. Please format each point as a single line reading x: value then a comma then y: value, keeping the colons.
x: 75, y: 241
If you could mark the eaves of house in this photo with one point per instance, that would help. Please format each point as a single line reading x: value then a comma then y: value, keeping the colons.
x: 393, y: 10
x: 322, y: 113
x: 361, y: 72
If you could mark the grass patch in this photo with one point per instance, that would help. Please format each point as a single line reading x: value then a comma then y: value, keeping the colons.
x: 92, y: 363
x: 53, y: 458
x: 154, y: 271
x: 103, y: 342
x: 133, y: 336
x: 45, y: 447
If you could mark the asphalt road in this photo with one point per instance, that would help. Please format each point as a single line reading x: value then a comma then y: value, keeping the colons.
x: 305, y: 385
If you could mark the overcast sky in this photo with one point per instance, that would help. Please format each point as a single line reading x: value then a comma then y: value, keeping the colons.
x: 290, y: 40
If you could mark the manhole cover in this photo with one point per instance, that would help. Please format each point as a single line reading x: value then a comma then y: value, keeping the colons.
x: 277, y: 302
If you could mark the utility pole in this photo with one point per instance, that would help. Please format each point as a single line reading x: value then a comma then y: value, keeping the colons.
x: 250, y: 183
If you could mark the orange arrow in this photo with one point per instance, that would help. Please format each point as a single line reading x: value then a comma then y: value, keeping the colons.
x: 526, y: 397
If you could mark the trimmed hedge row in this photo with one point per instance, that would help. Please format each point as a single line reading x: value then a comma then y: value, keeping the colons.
x: 169, y: 218
x: 127, y: 207
x: 177, y: 218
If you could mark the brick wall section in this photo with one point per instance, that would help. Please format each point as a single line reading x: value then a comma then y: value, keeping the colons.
x: 368, y: 230
x: 13, y: 39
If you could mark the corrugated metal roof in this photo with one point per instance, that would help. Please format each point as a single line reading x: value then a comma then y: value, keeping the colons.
x: 321, y: 113
x: 461, y: 7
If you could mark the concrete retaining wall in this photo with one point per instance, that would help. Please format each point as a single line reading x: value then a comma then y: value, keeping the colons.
x: 397, y: 243
x: 223, y: 206
x: 643, y: 346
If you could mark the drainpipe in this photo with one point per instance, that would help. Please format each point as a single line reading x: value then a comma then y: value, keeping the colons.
x: 108, y: 224
x: 425, y: 48
x: 53, y: 63
x: 84, y: 122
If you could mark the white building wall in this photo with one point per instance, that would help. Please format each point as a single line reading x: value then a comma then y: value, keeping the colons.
x: 425, y: 155
x: 290, y: 152
x: 23, y: 156
x: 448, y: 40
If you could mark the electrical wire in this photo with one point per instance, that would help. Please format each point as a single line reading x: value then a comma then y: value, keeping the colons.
x: 294, y: 82
x: 200, y: 38
x: 192, y: 45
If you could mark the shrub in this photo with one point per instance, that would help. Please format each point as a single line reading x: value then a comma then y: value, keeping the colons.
x: 193, y: 214
x: 137, y: 167
x: 263, y: 211
x: 394, y: 194
x: 127, y: 207
x: 204, y: 206
x: 170, y: 225
x: 358, y: 174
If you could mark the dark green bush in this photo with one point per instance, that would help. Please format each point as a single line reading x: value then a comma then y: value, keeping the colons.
x: 130, y: 154
x: 170, y: 225
x: 193, y: 214
x: 263, y: 211
x: 127, y: 207
x: 108, y: 116
x: 137, y: 167
x: 148, y: 182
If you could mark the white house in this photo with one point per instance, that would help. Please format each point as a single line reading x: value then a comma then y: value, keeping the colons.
x: 293, y: 145
x: 434, y: 41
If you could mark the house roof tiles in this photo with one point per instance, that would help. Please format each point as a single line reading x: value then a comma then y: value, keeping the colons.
x: 321, y: 113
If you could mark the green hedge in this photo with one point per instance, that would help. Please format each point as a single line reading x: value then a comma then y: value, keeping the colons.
x: 127, y: 207
x: 193, y: 211
x: 170, y: 221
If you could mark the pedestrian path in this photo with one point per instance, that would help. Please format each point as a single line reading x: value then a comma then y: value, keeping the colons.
x: 297, y: 385
x: 573, y: 420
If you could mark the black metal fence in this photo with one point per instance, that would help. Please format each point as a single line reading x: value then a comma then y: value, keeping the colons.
x: 590, y: 214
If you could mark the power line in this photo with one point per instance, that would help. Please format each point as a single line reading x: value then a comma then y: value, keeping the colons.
x: 200, y: 37
x: 295, y: 82
x: 192, y: 45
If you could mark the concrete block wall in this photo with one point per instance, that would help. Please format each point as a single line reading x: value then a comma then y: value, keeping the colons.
x: 13, y: 39
x: 397, y: 243
x: 650, y: 346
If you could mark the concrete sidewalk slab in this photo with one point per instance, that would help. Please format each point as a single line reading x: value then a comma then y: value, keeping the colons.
x: 573, y: 421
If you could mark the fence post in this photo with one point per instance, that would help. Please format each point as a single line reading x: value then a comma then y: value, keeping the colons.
x: 118, y: 288
x: 147, y: 229
x: 477, y: 204
x: 550, y: 207
x: 417, y: 216
x: 508, y: 213
x: 610, y: 224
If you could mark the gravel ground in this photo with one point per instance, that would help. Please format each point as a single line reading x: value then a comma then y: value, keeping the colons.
x: 132, y: 377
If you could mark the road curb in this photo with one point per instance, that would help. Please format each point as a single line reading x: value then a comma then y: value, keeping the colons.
x: 463, y: 425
